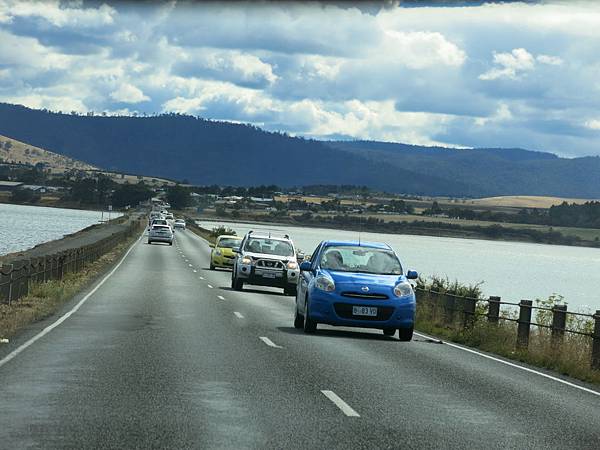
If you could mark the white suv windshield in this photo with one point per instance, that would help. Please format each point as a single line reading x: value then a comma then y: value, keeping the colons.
x: 269, y: 246
x: 361, y: 259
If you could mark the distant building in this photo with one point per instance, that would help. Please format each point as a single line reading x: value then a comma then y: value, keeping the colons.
x: 9, y: 186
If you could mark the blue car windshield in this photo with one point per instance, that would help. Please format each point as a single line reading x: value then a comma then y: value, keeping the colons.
x: 360, y: 260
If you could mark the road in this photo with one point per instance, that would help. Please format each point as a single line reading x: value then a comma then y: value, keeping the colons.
x: 164, y: 355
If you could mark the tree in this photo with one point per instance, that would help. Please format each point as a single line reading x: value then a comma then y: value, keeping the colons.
x: 178, y: 196
x: 25, y: 196
x: 131, y: 194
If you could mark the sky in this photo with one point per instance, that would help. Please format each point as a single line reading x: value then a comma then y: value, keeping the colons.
x: 490, y: 75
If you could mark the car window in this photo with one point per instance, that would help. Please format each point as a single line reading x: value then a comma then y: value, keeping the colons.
x: 269, y: 246
x: 361, y: 260
x: 228, y: 243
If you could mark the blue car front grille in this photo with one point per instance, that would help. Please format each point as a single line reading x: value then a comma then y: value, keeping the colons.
x: 344, y: 311
x: 365, y: 295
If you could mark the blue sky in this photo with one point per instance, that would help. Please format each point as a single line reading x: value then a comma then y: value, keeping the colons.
x: 496, y: 75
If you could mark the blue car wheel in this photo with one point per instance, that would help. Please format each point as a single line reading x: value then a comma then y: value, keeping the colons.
x: 310, y: 326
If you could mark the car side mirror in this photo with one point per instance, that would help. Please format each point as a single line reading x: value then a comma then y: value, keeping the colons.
x: 305, y: 266
x: 412, y: 275
x: 211, y: 245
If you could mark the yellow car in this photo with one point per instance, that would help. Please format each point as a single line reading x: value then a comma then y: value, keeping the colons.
x: 222, y: 254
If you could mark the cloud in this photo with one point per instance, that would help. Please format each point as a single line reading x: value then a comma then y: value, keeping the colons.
x: 128, y: 93
x: 510, y: 64
x: 495, y: 74
x: 58, y: 14
x: 592, y: 124
x: 551, y: 60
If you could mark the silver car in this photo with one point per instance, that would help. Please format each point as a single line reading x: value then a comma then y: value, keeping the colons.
x: 265, y: 260
x: 160, y: 233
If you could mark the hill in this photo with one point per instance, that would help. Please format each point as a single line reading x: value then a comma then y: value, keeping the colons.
x: 202, y: 151
x: 17, y: 152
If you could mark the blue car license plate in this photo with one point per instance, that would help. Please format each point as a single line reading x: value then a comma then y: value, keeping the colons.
x: 364, y: 311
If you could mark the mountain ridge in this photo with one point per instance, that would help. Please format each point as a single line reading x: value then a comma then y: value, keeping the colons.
x: 204, y: 151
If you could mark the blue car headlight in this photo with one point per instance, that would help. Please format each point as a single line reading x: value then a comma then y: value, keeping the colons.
x: 324, y: 283
x: 403, y: 289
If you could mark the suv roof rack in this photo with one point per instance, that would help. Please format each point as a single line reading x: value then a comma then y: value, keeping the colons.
x: 270, y: 232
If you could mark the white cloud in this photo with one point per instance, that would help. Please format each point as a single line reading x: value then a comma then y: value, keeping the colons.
x: 551, y: 60
x: 592, y: 124
x: 60, y: 15
x: 128, y: 93
x: 419, y: 49
x: 501, y: 114
x: 511, y: 64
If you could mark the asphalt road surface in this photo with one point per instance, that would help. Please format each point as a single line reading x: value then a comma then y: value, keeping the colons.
x: 164, y: 355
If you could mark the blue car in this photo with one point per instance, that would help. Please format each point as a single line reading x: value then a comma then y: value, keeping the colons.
x: 356, y: 284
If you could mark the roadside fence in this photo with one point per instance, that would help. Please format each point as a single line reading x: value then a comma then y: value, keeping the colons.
x: 17, y: 277
x: 464, y: 313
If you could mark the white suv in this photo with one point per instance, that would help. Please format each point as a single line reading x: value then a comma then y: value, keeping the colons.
x: 265, y: 260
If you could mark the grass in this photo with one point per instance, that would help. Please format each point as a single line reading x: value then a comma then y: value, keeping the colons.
x: 45, y: 299
x: 569, y: 357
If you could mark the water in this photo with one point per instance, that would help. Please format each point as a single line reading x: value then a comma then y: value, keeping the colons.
x: 512, y: 270
x: 23, y: 227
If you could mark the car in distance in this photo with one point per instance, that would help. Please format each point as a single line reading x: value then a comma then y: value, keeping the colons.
x: 222, y: 254
x: 265, y: 260
x: 160, y: 233
x: 179, y: 223
x: 356, y: 284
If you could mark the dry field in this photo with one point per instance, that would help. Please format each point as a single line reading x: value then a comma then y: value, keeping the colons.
x: 524, y: 201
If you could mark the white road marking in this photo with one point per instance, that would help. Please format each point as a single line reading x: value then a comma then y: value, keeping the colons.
x: 220, y: 297
x: 51, y: 327
x: 195, y: 271
x: 517, y: 366
x: 202, y: 278
x: 190, y: 265
x: 269, y: 342
x: 209, y: 286
x: 345, y: 407
x: 238, y: 315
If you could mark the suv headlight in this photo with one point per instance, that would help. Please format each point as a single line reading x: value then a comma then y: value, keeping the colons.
x: 402, y: 289
x: 292, y: 265
x: 246, y: 260
x: 324, y: 283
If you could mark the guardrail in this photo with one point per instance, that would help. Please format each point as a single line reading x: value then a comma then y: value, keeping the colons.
x: 462, y: 313
x: 17, y: 277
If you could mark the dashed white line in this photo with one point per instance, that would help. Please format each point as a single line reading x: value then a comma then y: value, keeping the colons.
x: 517, y: 366
x: 238, y: 315
x: 337, y: 401
x: 220, y: 297
x: 190, y: 265
x: 202, y: 278
x: 209, y: 286
x: 195, y: 271
x: 269, y: 342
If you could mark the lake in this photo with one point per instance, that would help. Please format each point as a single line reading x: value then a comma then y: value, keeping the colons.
x: 23, y: 227
x: 512, y: 270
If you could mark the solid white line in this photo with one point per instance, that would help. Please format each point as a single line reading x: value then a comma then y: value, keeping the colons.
x: 51, y: 327
x: 517, y: 366
x: 269, y: 342
x: 209, y: 286
x: 345, y: 407
x: 238, y: 315
x: 220, y: 297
